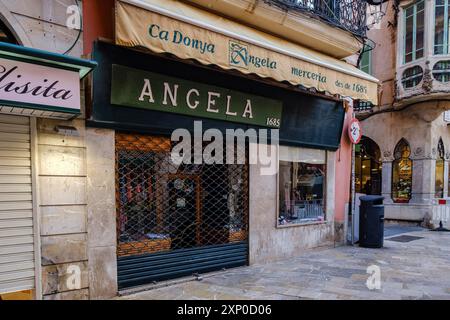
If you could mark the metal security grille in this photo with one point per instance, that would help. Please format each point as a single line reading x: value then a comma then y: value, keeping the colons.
x: 164, y: 208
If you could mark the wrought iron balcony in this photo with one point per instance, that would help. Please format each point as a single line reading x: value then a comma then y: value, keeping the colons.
x: 349, y: 15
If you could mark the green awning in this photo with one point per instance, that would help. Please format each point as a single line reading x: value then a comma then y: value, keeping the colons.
x: 46, y: 58
x: 40, y: 83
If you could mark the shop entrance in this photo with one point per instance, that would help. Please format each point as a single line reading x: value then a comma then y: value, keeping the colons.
x: 176, y: 220
x: 368, y: 167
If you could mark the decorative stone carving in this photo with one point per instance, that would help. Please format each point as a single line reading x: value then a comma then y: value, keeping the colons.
x: 418, y: 151
x: 427, y: 82
x: 396, y: 90
x: 387, y: 156
x: 447, y: 155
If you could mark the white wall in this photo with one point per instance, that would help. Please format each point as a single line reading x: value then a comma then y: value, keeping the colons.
x: 41, y: 24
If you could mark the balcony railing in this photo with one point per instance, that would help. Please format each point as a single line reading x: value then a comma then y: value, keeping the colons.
x: 349, y: 15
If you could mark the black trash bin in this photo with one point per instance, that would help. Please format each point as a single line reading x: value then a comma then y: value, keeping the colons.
x: 371, y: 221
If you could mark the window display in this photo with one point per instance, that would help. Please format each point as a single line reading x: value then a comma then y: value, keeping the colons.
x: 402, y: 173
x: 439, y: 172
x: 302, y: 181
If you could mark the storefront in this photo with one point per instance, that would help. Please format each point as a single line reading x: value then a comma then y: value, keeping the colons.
x: 179, y: 219
x: 33, y: 84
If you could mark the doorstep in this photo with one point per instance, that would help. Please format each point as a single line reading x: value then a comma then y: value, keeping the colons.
x: 172, y: 282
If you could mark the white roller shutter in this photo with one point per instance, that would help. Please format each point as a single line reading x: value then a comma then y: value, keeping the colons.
x: 16, y: 206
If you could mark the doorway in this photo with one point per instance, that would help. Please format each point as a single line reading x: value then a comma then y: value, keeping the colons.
x: 368, y: 167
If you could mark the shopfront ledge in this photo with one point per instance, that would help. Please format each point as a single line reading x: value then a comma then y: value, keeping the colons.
x: 406, y: 211
x: 307, y: 224
x: 407, y: 204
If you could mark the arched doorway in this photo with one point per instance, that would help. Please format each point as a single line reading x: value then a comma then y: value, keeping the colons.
x: 367, y: 167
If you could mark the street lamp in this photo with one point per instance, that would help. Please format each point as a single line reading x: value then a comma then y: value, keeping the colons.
x: 377, y: 10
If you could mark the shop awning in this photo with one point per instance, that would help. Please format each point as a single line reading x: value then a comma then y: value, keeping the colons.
x: 168, y: 26
x: 40, y: 83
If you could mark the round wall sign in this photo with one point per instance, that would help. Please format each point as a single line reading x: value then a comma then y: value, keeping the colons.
x: 355, y: 131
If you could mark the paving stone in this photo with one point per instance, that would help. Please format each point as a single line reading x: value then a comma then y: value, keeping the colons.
x: 412, y: 271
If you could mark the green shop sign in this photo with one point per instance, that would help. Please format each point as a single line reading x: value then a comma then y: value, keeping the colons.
x: 147, y: 90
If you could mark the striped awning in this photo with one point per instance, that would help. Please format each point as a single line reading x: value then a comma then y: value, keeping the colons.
x: 167, y: 26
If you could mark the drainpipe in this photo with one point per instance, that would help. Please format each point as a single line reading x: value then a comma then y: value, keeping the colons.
x: 353, y: 193
x: 349, y: 103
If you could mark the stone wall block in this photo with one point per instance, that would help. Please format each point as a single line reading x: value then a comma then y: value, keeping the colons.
x: 63, y: 248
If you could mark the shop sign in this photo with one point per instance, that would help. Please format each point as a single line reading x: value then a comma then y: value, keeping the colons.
x: 355, y: 131
x: 292, y: 63
x: 36, y: 86
x: 147, y: 90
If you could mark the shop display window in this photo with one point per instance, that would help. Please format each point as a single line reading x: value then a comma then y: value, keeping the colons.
x: 402, y: 173
x: 439, y: 172
x: 302, y: 183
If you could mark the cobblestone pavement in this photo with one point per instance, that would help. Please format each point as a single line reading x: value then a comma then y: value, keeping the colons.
x: 419, y: 269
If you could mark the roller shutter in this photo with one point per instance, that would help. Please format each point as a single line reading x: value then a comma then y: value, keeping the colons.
x: 176, y: 220
x: 16, y: 208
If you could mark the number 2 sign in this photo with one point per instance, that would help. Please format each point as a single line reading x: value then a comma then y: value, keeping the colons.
x: 355, y: 131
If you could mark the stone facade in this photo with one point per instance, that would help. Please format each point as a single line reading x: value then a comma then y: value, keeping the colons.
x: 423, y: 134
x: 415, y: 115
x: 63, y: 208
x: 101, y: 213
